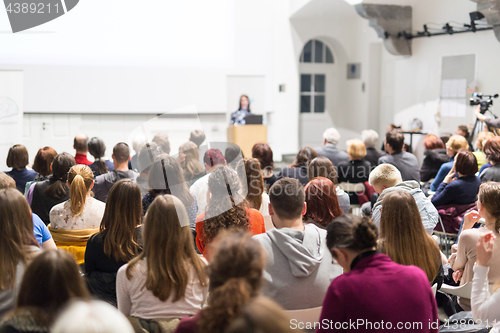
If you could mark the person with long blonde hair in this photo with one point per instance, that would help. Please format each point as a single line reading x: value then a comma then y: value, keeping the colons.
x: 17, y: 245
x: 191, y: 166
x: 117, y: 241
x: 81, y: 211
x: 403, y: 237
x: 167, y: 280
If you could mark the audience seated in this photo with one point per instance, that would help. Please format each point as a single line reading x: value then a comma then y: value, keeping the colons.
x: 462, y: 262
x: 227, y: 208
x: 233, y: 155
x: 256, y: 197
x: 403, y: 237
x: 145, y: 158
x: 331, y: 138
x: 264, y: 153
x: 50, y: 192
x: 17, y: 245
x: 138, y: 142
x: 323, y: 167
x: 492, y: 152
x: 322, y: 202
x: 42, y: 165
x: 370, y: 139
x: 462, y: 190
x: 355, y: 170
x: 235, y: 278
x: 103, y: 183
x: 213, y: 158
x: 191, y: 166
x: 373, y: 288
x: 454, y: 144
x: 385, y: 179
x: 165, y: 177
x: 482, y: 137
x: 435, y: 156
x: 50, y: 281
x: 117, y: 241
x: 197, y: 136
x: 167, y: 280
x: 298, y: 169
x: 463, y: 130
x: 162, y: 141
x: 97, y: 148
x: 299, y: 266
x: 405, y: 162
x: 91, y: 317
x: 17, y: 159
x: 80, y: 145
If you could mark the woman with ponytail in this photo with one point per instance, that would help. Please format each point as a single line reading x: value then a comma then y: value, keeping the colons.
x: 167, y: 280
x: 81, y: 211
x: 462, y: 262
x: 97, y: 148
x: 227, y: 208
x: 235, y: 274
x: 373, y: 287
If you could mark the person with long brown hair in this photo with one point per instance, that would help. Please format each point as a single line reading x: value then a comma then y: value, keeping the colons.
x: 298, y: 169
x: 17, y: 159
x: 168, y: 279
x: 50, y: 281
x: 256, y: 197
x: 235, y: 274
x: 17, y: 245
x: 117, y: 241
x: 403, y: 237
x: 322, y: 202
x: 191, y: 166
x: 264, y: 153
x: 227, y: 208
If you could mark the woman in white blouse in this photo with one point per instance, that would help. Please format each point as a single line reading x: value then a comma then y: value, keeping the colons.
x: 167, y: 280
x: 81, y: 211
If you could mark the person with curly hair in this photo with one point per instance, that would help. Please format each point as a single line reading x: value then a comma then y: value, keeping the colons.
x: 227, y: 208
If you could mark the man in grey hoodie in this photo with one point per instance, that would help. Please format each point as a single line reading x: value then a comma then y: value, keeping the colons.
x: 299, y: 265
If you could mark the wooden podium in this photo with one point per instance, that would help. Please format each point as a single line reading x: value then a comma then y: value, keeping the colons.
x: 246, y: 136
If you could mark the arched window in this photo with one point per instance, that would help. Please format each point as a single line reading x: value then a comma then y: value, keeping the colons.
x: 316, y: 52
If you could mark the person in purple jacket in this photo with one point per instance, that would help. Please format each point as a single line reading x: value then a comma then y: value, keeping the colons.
x: 374, y: 293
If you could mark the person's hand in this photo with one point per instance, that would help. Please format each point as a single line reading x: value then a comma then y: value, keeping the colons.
x: 480, y: 116
x: 484, y: 249
x: 454, y: 248
x: 449, y: 177
x: 457, y: 275
x: 470, y: 219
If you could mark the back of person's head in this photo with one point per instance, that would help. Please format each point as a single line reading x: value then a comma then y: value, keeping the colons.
x: 386, y: 175
x: 80, y: 143
x: 264, y: 153
x: 162, y: 141
x: 489, y: 198
x: 466, y: 163
x: 463, y: 131
x: 431, y: 142
x: 351, y: 232
x: 287, y: 198
x: 191, y: 165
x: 370, y: 138
x: 331, y: 135
x: 321, y: 166
x: 146, y: 156
x: 16, y: 232
x: 445, y: 137
x: 214, y: 157
x: 304, y: 156
x: 235, y: 275
x: 356, y: 149
x: 61, y: 165
x: 262, y: 315
x: 121, y: 152
x: 50, y: 281
x: 121, y: 217
x: 6, y: 181
x: 97, y: 148
x: 138, y: 141
x: 403, y: 236
x: 43, y: 160
x: 197, y: 136
x: 492, y: 149
x: 166, y: 177
x: 255, y: 182
x: 482, y: 137
x: 17, y: 157
x: 91, y: 317
x: 80, y: 178
x: 457, y: 142
x: 168, y: 250
x: 322, y: 202
x: 395, y: 139
x: 233, y: 154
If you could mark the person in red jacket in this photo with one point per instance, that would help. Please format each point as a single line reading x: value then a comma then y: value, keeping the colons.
x: 374, y: 293
x: 81, y: 147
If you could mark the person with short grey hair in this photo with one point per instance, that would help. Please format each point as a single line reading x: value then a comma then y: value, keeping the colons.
x: 370, y: 138
x: 331, y: 138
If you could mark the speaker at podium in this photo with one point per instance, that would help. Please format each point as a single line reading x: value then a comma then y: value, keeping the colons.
x: 249, y: 134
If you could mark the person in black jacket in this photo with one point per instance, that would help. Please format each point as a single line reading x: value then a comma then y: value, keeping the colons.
x: 298, y: 169
x: 370, y: 138
x: 435, y: 156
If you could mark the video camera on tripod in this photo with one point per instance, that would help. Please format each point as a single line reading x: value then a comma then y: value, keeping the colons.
x: 484, y: 100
